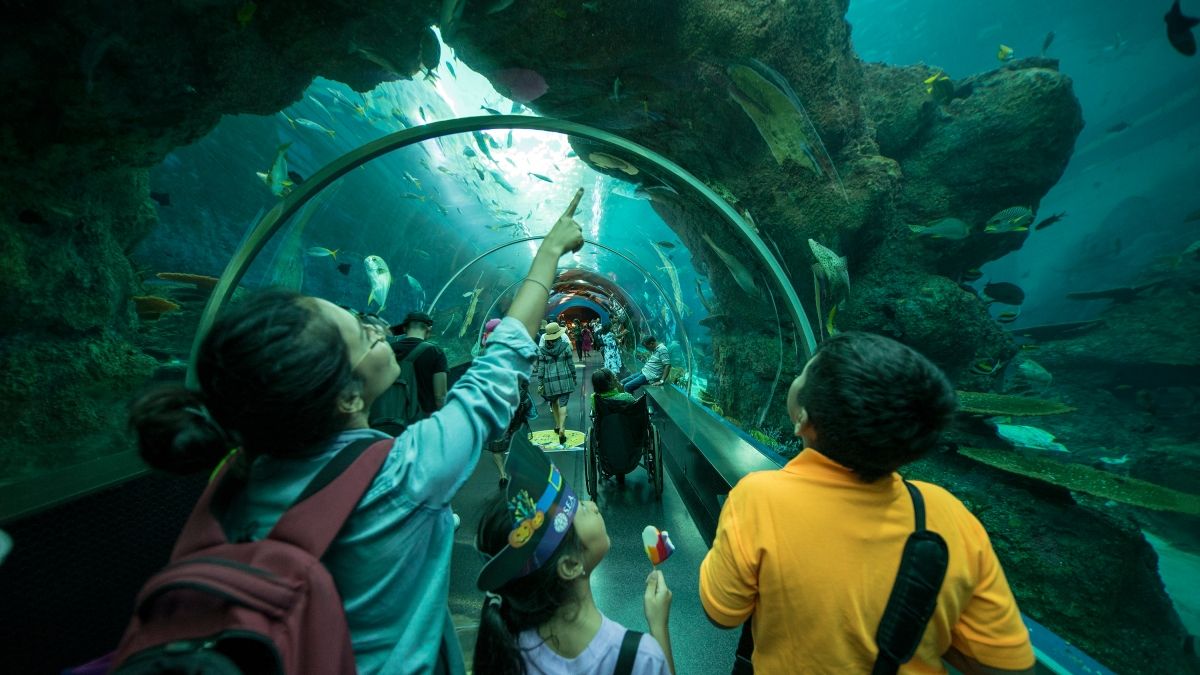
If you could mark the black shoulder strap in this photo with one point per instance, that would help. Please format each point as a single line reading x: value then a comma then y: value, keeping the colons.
x: 914, y: 595
x: 412, y: 355
x: 335, y: 467
x: 629, y: 648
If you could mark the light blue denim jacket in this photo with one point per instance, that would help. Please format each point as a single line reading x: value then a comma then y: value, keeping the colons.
x: 391, y: 561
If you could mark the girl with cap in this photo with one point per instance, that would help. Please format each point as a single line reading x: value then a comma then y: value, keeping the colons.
x: 288, y: 380
x: 542, y: 544
x: 555, y: 369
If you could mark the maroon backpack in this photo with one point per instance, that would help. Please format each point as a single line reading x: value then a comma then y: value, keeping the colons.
x: 266, y: 606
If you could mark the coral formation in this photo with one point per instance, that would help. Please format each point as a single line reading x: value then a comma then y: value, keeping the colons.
x: 1095, y: 482
x: 198, y: 280
x: 1077, y: 566
x: 984, y: 403
x: 151, y: 306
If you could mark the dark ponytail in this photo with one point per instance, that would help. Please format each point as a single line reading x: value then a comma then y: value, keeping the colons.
x: 175, y: 431
x: 271, y: 371
x: 521, y: 604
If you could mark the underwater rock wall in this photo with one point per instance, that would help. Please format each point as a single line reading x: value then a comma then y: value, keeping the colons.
x: 94, y: 84
x: 67, y: 362
x: 995, y: 140
x: 97, y: 93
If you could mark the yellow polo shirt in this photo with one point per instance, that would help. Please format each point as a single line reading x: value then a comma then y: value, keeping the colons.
x: 812, y: 553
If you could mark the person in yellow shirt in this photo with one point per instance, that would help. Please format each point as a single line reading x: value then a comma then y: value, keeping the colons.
x: 811, y: 552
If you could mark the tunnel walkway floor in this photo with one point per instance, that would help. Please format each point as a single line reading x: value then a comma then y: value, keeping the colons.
x: 619, y: 582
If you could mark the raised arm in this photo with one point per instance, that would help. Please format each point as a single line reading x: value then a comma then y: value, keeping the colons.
x: 530, y: 304
x: 435, y: 456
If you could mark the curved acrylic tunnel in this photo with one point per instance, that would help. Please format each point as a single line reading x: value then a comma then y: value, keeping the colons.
x: 466, y: 203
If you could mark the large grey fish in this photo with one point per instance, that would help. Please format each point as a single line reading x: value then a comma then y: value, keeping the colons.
x: 740, y: 274
x: 673, y: 276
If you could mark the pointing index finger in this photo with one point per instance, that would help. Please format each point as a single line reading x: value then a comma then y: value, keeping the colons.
x: 570, y: 212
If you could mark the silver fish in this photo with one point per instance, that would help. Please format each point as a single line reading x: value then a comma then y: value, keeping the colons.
x: 320, y: 105
x: 314, y: 126
x: 381, y: 280
x: 276, y: 177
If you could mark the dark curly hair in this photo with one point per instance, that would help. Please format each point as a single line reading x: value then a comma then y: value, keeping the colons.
x: 524, y: 603
x: 876, y: 404
x: 271, y: 371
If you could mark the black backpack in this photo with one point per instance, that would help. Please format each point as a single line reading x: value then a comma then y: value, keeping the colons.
x: 400, y: 405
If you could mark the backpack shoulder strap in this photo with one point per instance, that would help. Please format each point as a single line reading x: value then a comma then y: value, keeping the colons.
x: 327, y: 501
x: 203, y: 529
x: 629, y: 648
x: 412, y: 355
x: 914, y: 593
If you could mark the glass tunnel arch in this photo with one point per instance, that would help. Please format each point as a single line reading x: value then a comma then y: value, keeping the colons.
x: 558, y: 289
x: 751, y: 247
x: 556, y: 294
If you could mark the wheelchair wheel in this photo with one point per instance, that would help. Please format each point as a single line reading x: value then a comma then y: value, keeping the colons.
x: 659, y: 469
x: 591, y: 468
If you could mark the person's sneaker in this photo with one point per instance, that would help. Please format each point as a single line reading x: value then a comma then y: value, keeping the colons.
x: 457, y: 520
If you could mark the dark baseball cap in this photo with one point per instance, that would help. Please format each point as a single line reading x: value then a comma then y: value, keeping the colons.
x: 421, y: 317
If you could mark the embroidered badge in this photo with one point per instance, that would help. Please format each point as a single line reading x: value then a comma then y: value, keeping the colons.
x: 526, y: 519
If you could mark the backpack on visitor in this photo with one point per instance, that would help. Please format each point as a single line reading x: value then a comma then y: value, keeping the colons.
x: 265, y: 606
x: 400, y: 405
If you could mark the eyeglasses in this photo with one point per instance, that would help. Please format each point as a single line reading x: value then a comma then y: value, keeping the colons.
x: 374, y: 326
x: 371, y: 322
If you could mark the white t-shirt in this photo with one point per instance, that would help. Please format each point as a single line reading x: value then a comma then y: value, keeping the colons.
x: 600, y: 657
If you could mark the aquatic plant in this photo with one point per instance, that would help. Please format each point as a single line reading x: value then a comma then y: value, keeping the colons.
x: 983, y: 403
x: 1082, y: 478
x: 763, y: 438
x: 773, y: 106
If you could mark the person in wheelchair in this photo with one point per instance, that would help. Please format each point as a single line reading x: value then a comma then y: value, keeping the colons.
x: 622, y: 436
x: 606, y: 385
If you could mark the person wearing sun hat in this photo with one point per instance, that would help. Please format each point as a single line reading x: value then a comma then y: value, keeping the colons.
x: 555, y: 368
x: 541, y: 543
